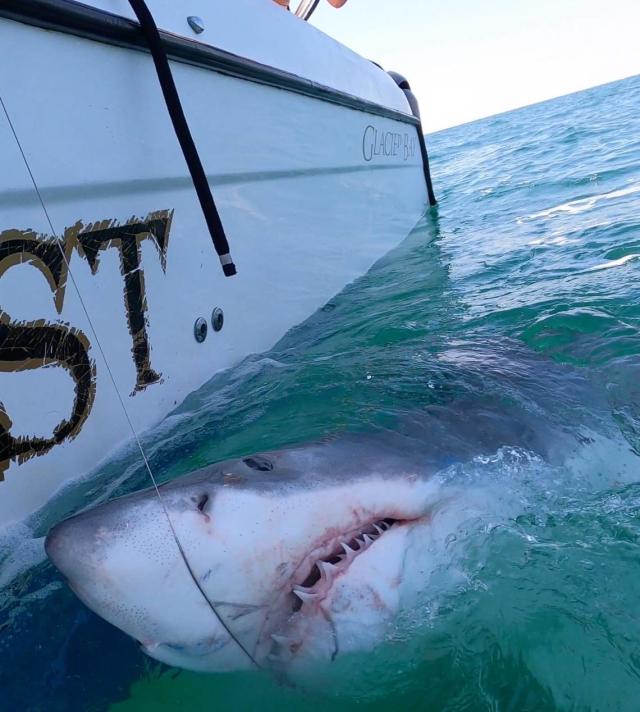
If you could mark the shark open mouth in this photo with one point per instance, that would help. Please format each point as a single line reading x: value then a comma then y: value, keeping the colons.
x: 309, y: 614
x: 327, y: 567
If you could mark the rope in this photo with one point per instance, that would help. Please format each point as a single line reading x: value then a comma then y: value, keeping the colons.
x: 119, y: 396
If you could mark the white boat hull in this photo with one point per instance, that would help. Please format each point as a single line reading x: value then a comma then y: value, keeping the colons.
x: 311, y: 194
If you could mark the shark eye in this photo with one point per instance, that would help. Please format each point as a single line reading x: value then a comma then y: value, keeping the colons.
x: 256, y: 462
x: 202, y: 502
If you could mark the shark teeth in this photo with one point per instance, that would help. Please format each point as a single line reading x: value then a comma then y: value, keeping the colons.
x: 327, y: 570
x: 349, y: 553
x: 305, y: 594
x: 324, y: 571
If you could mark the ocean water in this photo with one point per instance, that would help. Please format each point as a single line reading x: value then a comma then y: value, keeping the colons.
x: 519, y: 293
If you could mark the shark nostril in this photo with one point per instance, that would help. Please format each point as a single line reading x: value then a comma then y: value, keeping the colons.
x: 202, y: 502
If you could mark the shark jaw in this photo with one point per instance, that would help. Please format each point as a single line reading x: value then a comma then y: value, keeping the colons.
x: 350, y: 596
x: 299, y: 562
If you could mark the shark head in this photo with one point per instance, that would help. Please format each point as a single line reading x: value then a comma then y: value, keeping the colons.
x: 274, y: 559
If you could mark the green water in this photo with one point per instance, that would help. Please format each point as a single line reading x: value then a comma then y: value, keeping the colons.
x: 522, y: 291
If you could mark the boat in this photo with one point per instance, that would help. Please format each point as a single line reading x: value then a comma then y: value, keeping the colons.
x: 128, y: 276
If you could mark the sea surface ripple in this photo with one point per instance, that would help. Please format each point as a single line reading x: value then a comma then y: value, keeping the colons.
x: 522, y: 288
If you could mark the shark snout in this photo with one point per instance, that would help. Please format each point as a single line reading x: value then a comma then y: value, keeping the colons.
x: 82, y: 546
x: 98, y: 552
x: 123, y: 561
x: 66, y: 549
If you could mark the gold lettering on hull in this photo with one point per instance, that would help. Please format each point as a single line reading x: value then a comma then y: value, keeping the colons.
x: 38, y: 344
x: 26, y: 346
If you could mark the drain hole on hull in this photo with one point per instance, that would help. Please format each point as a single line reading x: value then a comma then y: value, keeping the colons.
x: 356, y: 545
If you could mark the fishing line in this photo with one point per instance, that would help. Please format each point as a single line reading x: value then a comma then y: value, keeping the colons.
x: 119, y: 396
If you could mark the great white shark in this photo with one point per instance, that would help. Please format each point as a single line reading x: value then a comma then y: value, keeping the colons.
x: 278, y: 558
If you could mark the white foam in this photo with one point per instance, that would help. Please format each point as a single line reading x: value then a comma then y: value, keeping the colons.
x: 553, y: 240
x: 613, y: 263
x: 19, y: 552
x: 583, y: 204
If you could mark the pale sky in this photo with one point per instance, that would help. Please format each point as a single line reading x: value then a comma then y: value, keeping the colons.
x: 466, y: 59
